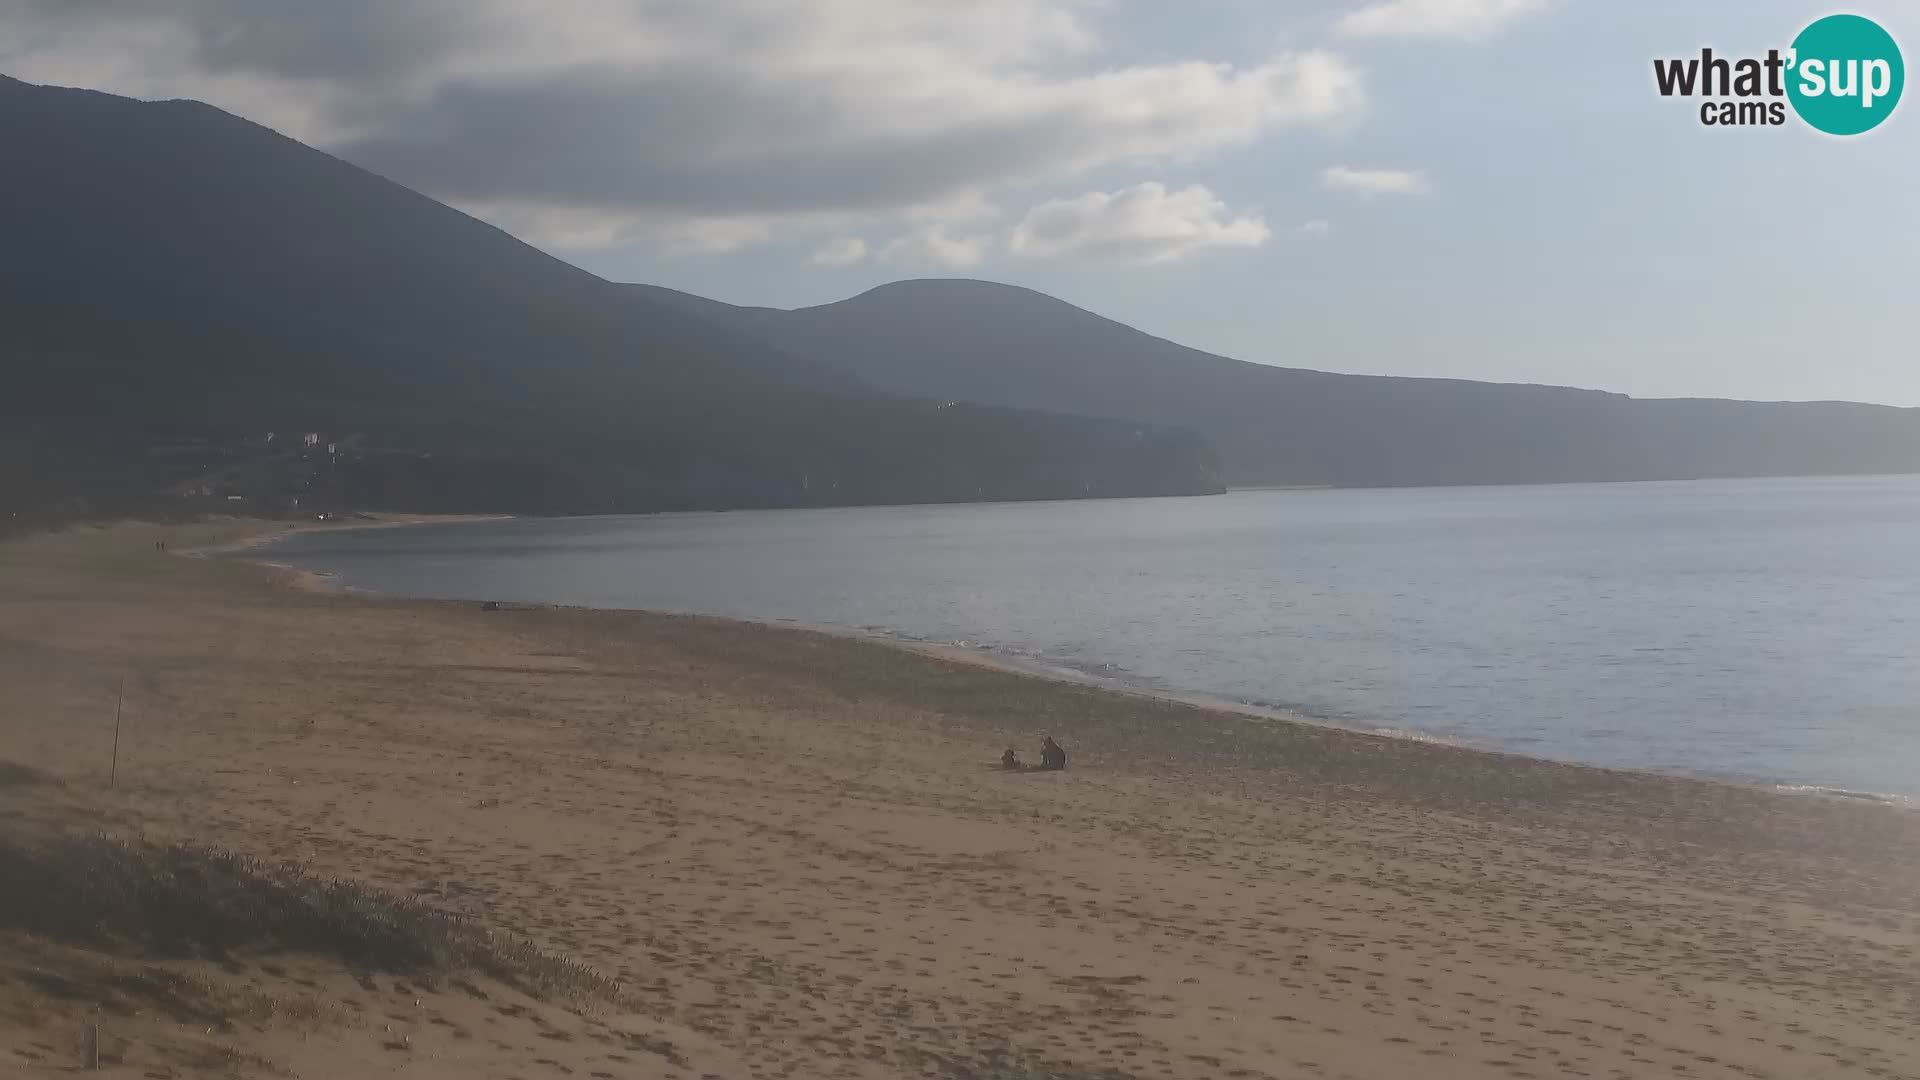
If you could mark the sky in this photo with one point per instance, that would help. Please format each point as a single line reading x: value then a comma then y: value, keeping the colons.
x: 1480, y: 189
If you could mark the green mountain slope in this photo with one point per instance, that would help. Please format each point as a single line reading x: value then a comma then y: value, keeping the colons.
x: 1002, y: 345
x: 170, y: 270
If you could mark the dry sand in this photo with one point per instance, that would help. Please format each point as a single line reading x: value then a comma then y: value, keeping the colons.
x: 794, y: 851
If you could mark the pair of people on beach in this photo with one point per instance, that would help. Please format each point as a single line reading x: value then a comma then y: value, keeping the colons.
x: 1052, y: 757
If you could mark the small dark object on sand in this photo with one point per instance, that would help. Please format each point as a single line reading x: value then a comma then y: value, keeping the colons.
x: 1052, y: 757
x: 1010, y: 760
x: 489, y: 606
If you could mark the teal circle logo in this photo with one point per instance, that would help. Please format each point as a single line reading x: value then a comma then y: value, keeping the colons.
x: 1845, y: 74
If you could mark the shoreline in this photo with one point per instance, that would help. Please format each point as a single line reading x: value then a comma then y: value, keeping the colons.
x: 989, y: 657
x: 358, y: 523
x: 795, y: 854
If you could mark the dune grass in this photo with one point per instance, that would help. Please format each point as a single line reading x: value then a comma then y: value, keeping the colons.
x: 184, y: 900
x: 12, y: 775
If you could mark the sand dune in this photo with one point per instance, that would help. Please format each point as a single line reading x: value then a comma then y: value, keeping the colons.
x: 794, y: 853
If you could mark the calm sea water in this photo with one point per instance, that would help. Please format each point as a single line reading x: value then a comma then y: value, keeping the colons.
x: 1761, y: 629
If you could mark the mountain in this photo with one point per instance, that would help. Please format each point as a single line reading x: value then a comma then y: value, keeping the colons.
x: 1002, y: 345
x: 169, y: 271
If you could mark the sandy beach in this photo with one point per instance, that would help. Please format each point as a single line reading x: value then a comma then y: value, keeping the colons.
x: 794, y: 853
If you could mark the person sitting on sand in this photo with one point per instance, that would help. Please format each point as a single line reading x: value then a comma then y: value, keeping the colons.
x: 1052, y: 757
x: 1009, y: 760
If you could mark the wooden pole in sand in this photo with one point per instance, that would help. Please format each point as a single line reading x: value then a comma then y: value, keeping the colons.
x: 119, y: 706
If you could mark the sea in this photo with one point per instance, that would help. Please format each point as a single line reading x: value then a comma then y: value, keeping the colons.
x: 1758, y: 630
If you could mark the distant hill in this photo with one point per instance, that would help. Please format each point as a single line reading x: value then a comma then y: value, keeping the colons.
x: 168, y: 269
x: 1002, y: 345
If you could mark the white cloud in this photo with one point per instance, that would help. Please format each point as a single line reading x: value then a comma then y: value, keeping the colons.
x: 840, y: 251
x: 589, y: 228
x: 697, y: 125
x: 1315, y: 227
x: 1145, y: 223
x: 1368, y: 182
x: 710, y: 236
x: 939, y: 246
x: 1460, y: 19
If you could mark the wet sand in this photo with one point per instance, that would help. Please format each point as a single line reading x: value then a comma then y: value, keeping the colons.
x: 795, y: 851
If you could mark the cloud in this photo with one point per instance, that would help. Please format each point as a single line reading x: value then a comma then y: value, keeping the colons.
x: 587, y: 228
x: 939, y: 246
x: 1145, y: 223
x: 1458, y: 19
x: 696, y: 124
x: 1369, y: 182
x: 840, y: 251
x: 1315, y: 227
